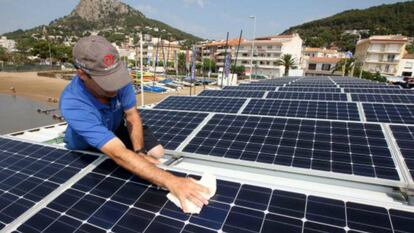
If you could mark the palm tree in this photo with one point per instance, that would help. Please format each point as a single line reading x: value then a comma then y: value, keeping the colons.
x: 346, y: 66
x: 288, y: 62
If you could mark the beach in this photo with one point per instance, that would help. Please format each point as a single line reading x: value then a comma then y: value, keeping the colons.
x: 34, y: 87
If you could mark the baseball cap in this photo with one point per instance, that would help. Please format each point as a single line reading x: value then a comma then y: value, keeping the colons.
x: 99, y: 59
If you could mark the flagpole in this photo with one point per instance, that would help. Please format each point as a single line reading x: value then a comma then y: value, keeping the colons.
x: 237, y: 55
x: 224, y: 63
x: 156, y: 61
x: 141, y: 70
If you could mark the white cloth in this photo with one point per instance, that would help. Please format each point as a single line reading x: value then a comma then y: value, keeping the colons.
x: 207, y: 180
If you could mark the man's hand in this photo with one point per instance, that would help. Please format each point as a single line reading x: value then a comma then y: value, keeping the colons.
x: 151, y: 159
x: 187, y: 188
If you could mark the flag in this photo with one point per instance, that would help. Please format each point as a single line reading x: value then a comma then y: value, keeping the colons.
x: 149, y: 59
x: 193, y: 67
x: 175, y: 61
x: 227, y: 65
x: 187, y: 59
x: 348, y: 54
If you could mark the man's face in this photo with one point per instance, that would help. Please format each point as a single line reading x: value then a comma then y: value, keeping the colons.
x: 96, y: 90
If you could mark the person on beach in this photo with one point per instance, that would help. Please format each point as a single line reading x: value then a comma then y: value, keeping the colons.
x: 99, y: 106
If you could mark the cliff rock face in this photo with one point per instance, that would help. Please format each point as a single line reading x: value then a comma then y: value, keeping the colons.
x: 95, y: 10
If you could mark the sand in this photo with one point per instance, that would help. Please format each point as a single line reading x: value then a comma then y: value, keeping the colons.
x: 30, y: 85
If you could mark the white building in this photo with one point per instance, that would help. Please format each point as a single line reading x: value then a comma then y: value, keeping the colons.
x: 10, y: 45
x: 406, y: 67
x: 267, y: 51
x: 322, y: 52
x: 381, y: 53
x: 322, y: 66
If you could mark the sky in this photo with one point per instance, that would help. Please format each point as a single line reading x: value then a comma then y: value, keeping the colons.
x: 209, y: 19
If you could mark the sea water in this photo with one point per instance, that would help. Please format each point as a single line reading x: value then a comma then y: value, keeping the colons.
x: 19, y: 113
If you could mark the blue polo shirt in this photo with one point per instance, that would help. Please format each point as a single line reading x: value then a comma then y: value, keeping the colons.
x: 90, y: 122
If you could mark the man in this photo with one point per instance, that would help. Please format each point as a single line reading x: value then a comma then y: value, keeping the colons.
x: 93, y: 105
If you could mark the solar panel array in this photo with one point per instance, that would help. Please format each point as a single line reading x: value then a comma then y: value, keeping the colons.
x: 311, y: 126
x: 348, y: 148
x: 111, y: 200
x: 31, y: 172
x: 242, y: 139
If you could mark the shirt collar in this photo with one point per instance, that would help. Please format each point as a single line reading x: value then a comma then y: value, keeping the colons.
x: 95, y: 101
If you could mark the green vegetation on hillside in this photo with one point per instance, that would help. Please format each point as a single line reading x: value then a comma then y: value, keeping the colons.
x: 380, y: 20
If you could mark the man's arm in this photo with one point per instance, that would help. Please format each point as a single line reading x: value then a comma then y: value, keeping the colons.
x: 182, y: 188
x: 134, y: 125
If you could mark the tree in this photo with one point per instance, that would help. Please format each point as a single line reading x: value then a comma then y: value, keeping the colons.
x: 345, y: 64
x: 239, y: 70
x: 181, y: 63
x: 410, y: 48
x: 4, y: 55
x: 207, y: 63
x: 288, y: 62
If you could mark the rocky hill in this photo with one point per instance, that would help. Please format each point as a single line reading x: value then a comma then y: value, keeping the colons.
x: 110, y: 18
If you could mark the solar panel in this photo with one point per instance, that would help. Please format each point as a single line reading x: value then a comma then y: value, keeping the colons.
x: 202, y: 104
x: 389, y: 113
x: 339, y: 147
x: 307, y: 96
x: 261, y: 84
x: 250, y: 88
x: 312, y: 85
x: 363, y: 85
x: 303, y: 109
x: 106, y: 202
x: 171, y: 127
x: 309, y: 89
x: 379, y: 91
x: 30, y: 172
x: 244, y: 94
x: 407, y: 99
x: 404, y: 136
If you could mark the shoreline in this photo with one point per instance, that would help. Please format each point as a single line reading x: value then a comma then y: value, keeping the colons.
x: 33, y: 87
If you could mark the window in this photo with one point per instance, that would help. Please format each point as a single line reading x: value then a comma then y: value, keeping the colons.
x: 390, y: 57
x: 326, y: 66
x: 407, y: 74
x: 259, y: 47
x: 408, y: 65
x: 387, y: 68
x: 269, y: 47
x: 312, y: 67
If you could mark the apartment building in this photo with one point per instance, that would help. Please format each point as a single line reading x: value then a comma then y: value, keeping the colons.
x: 166, y: 49
x: 322, y: 52
x: 321, y: 61
x: 406, y: 67
x: 10, y: 45
x: 266, y: 52
x: 322, y: 66
x: 381, y: 53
